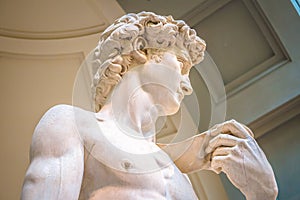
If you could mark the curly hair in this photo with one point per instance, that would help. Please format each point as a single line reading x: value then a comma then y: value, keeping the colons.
x: 131, y: 39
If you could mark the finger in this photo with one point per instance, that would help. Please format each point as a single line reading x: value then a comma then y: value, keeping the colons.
x: 222, y: 151
x: 232, y: 127
x: 249, y: 130
x: 221, y: 140
x: 218, y: 163
x: 214, y: 126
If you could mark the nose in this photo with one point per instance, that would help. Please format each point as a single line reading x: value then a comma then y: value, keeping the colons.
x: 185, y: 85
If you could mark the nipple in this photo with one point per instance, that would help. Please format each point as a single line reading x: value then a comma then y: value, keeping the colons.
x: 127, y: 165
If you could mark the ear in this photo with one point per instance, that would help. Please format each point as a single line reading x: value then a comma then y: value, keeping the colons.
x: 139, y: 44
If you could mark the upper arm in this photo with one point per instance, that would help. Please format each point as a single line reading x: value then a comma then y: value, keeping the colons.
x: 56, y: 158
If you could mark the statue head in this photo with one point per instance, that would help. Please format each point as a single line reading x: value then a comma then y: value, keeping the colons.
x: 134, y: 39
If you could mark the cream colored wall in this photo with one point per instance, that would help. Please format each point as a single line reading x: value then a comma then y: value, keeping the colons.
x: 29, y: 86
x: 42, y: 45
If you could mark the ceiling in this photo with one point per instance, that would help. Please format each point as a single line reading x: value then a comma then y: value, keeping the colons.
x: 176, y: 8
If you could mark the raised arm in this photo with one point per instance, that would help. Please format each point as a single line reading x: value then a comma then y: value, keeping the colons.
x: 56, y: 158
x: 189, y: 155
x: 230, y: 148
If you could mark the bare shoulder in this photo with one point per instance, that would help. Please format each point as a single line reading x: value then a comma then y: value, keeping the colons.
x: 56, y: 132
x: 59, y: 116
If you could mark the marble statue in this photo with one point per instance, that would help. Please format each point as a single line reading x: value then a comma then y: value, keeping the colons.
x: 141, y: 64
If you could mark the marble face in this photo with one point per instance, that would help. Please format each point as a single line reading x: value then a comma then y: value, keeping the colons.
x: 147, y: 91
x: 165, y: 82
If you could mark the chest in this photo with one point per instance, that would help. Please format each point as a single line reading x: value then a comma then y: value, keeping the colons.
x: 167, y: 182
x: 116, y: 160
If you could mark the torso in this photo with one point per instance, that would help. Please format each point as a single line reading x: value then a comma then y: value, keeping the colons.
x: 102, y: 182
x: 111, y: 173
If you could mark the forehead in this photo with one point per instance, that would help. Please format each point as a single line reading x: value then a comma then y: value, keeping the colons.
x: 180, y: 57
x: 184, y: 58
x: 177, y: 55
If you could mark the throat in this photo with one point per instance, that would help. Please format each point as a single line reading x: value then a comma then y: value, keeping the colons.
x: 135, y: 117
x: 143, y: 117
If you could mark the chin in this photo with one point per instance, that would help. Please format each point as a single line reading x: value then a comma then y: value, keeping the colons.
x: 170, y: 106
x: 174, y: 112
x: 172, y: 109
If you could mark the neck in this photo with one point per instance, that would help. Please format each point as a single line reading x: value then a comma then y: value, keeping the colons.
x: 143, y: 113
x: 132, y: 109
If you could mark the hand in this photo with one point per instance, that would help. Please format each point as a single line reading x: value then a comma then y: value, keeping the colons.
x: 235, y: 152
